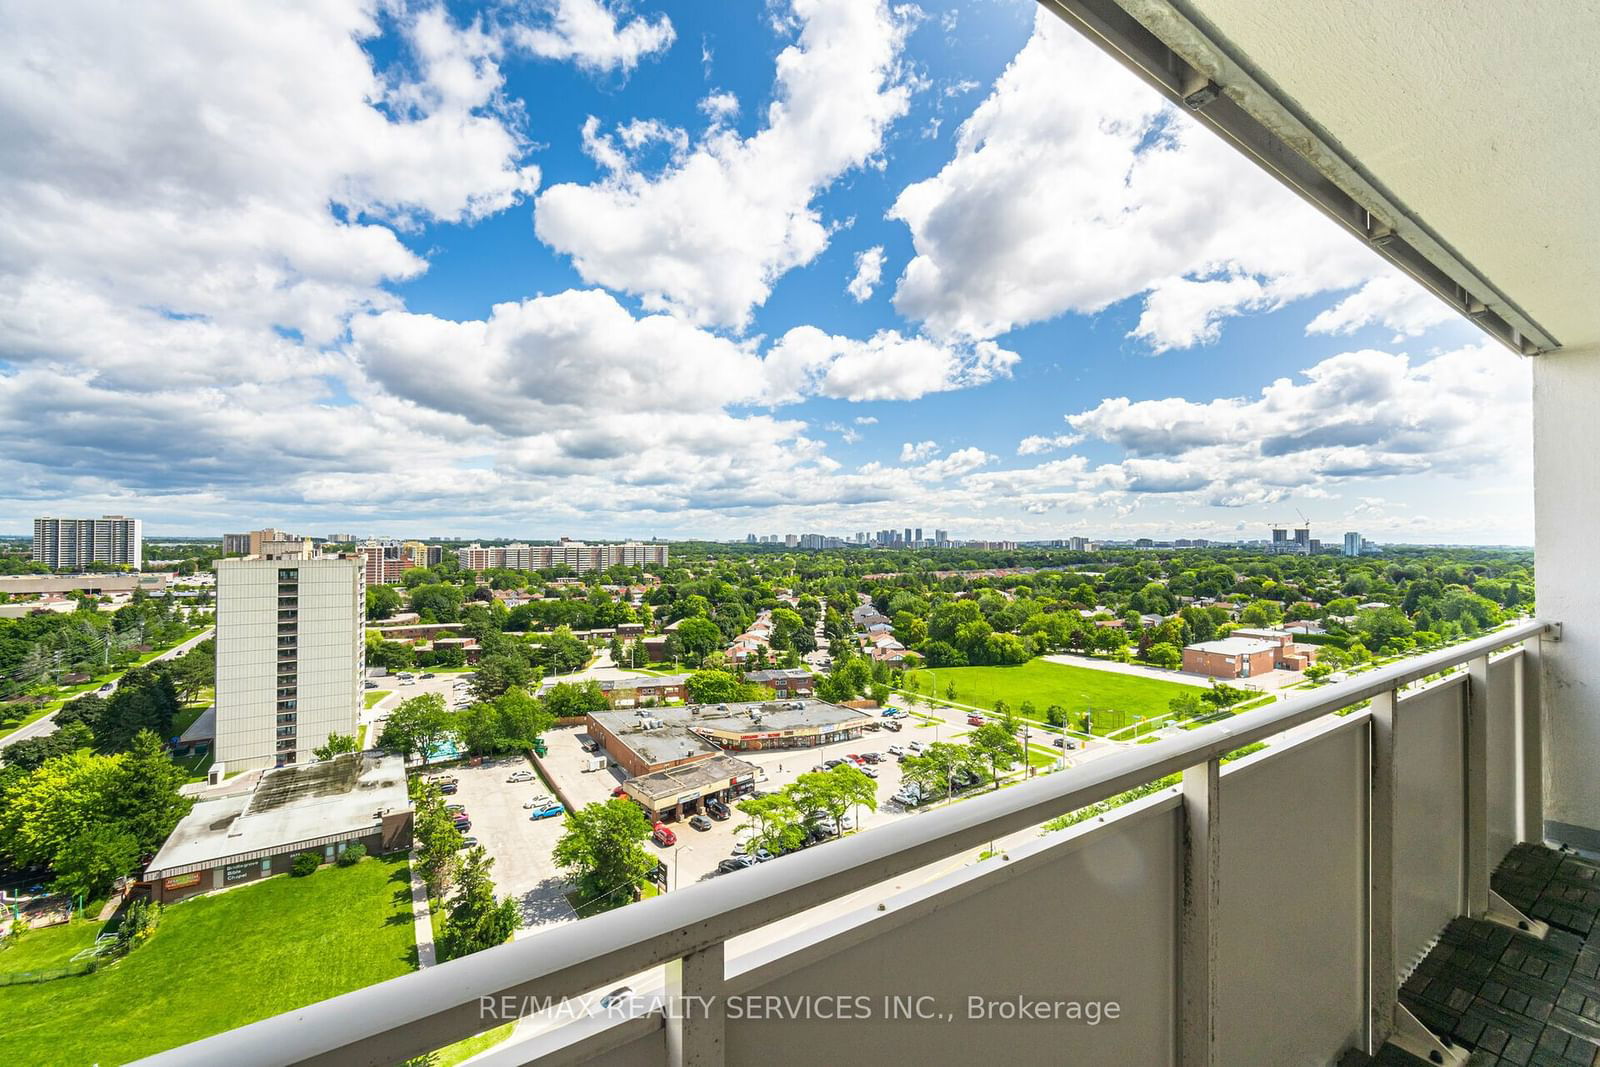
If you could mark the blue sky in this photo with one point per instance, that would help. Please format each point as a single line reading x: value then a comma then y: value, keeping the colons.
x: 587, y: 268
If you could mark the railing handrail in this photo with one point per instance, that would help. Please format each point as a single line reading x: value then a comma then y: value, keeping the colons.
x: 417, y: 1012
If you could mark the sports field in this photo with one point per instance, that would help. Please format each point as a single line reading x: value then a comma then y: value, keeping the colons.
x: 1115, y: 700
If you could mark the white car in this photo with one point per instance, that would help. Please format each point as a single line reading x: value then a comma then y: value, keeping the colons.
x: 916, y: 746
x: 520, y: 776
x: 896, y: 750
x: 540, y: 801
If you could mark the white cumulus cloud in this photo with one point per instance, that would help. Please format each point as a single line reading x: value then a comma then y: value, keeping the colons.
x: 1074, y: 187
x: 869, y: 270
x: 594, y: 34
x: 709, y: 236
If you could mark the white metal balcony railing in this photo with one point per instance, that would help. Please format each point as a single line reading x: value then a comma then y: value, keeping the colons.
x: 1261, y: 913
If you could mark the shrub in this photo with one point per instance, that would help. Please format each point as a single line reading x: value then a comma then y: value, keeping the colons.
x: 306, y: 863
x: 138, y: 924
x: 353, y: 855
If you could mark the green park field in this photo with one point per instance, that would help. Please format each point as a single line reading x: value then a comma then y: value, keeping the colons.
x: 1116, y: 700
x: 215, y: 963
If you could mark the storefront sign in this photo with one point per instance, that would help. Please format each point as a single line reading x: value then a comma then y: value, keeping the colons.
x: 182, y: 881
x: 237, y: 872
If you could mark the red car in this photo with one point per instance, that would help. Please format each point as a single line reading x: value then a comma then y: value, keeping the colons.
x: 663, y: 835
x: 974, y: 720
x: 619, y: 792
x: 853, y: 758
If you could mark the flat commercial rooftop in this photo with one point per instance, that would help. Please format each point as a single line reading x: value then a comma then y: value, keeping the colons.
x: 1236, y: 646
x: 713, y: 773
x: 289, y: 806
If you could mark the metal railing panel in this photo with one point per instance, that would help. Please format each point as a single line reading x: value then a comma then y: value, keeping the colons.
x: 1293, y: 908
x: 1430, y: 814
x: 1080, y: 915
x: 1504, y: 674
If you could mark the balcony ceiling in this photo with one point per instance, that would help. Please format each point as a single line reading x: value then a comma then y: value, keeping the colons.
x: 1479, y: 118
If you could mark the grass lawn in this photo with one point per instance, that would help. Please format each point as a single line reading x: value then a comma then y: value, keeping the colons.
x: 375, y: 695
x: 222, y: 961
x: 52, y: 946
x: 195, y: 767
x: 1116, y: 700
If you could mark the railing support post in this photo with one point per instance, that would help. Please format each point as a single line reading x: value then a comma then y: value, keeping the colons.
x: 695, y: 1012
x: 1197, y: 945
x: 1530, y: 742
x: 1382, y: 973
x: 1476, y: 749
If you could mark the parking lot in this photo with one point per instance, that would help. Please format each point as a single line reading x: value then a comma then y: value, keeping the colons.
x: 522, y: 848
x: 697, y: 852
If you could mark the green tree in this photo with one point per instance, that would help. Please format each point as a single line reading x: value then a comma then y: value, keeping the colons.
x: 1055, y: 715
x: 148, y: 804
x: 997, y: 746
x: 438, y: 842
x: 775, y: 823
x: 940, y: 766
x: 717, y: 687
x: 603, y: 848
x: 93, y: 859
x: 1187, y: 706
x: 832, y: 793
x: 437, y: 603
x: 336, y: 745
x: 1165, y: 655
x: 698, y: 637
x: 382, y: 601
x: 566, y: 700
x: 417, y: 726
x: 499, y: 674
x: 477, y: 920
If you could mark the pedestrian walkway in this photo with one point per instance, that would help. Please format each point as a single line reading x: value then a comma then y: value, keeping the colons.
x: 421, y: 916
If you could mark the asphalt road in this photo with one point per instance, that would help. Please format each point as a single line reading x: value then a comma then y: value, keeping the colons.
x: 47, y: 725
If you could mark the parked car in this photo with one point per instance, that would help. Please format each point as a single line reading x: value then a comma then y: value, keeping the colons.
x: 870, y: 772
x: 871, y: 757
x: 735, y: 863
x: 616, y: 996
x: 408, y: 681
x: 590, y: 746
x: 468, y: 842
x: 449, y: 789
x: 916, y: 747
x: 892, y: 725
x: 619, y: 791
x: 761, y: 855
x: 107, y: 687
x: 853, y: 758
x: 455, y: 807
x: 369, y: 685
x: 442, y: 779
x: 896, y: 750
x: 975, y: 720
x: 543, y: 800
x: 662, y: 835
x: 717, y: 809
x: 463, y: 825
x: 521, y: 776
x: 700, y: 822
x: 549, y: 811
x: 428, y: 674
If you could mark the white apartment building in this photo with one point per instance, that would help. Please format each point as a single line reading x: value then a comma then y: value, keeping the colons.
x: 73, y: 544
x: 581, y: 558
x: 290, y: 657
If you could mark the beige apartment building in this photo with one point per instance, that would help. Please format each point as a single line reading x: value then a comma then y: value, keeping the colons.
x: 290, y: 657
x: 73, y: 544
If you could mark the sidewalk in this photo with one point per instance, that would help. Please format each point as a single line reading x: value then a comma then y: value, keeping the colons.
x: 420, y: 917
